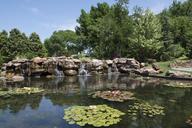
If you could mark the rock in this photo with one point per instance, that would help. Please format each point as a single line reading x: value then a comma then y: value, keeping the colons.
x: 69, y: 64
x: 178, y: 74
x: 70, y: 72
x: 2, y: 80
x: 20, y: 61
x: 9, y: 75
x: 148, y: 71
x: 133, y: 63
x: 18, y: 78
x: 109, y: 62
x: 76, y: 61
x: 155, y: 67
x: 124, y: 70
x: 38, y: 60
x: 3, y: 73
x: 99, y: 68
x: 142, y: 65
x: 120, y: 60
x: 50, y: 76
x: 17, y: 64
x: 97, y: 63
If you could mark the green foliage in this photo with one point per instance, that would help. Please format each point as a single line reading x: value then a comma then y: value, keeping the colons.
x: 119, y: 96
x: 5, y: 92
x: 96, y: 115
x: 18, y: 44
x: 145, y: 41
x: 105, y: 29
x: 172, y: 51
x: 177, y: 26
x: 108, y: 31
x: 144, y: 109
x: 1, y: 60
x: 63, y: 43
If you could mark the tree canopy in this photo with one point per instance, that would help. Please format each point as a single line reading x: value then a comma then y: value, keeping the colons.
x: 109, y: 31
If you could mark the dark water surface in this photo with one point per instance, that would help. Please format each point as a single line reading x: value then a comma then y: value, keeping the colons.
x: 47, y: 110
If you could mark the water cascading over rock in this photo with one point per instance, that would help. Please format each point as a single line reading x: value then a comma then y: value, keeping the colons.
x: 68, y: 66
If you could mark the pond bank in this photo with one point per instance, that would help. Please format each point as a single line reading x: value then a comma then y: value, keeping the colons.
x: 16, y: 70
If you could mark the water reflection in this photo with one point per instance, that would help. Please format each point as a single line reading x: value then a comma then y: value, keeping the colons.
x: 46, y: 110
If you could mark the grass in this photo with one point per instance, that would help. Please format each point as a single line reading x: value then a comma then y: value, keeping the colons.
x: 165, y: 65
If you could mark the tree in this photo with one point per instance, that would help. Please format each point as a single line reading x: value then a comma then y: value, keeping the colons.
x: 36, y: 46
x: 105, y: 29
x: 63, y: 43
x: 17, y: 44
x: 145, y: 41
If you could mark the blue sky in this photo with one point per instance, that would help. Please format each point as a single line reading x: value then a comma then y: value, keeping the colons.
x: 46, y: 16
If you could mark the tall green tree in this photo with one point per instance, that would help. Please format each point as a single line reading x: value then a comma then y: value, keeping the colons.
x: 36, y: 46
x: 146, y: 39
x: 63, y: 43
x: 105, y: 29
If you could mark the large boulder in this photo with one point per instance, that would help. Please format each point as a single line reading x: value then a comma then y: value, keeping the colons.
x: 39, y: 60
x: 120, y: 60
x: 178, y: 74
x: 96, y: 63
x: 70, y: 72
x: 69, y: 64
x: 146, y: 71
x: 109, y: 62
x: 133, y: 63
x: 155, y: 67
x: 17, y: 78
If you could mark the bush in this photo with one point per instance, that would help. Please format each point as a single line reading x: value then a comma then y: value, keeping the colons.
x: 1, y: 60
x: 172, y: 52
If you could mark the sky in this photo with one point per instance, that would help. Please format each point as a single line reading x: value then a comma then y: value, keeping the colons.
x: 46, y: 16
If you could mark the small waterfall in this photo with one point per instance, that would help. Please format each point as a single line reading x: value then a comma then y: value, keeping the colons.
x: 82, y: 70
x: 109, y: 73
x: 109, y: 70
x: 58, y: 73
x: 115, y: 69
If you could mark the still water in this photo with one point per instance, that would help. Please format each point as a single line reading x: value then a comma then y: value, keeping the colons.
x: 47, y: 110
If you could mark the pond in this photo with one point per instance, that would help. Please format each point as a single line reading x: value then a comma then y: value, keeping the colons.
x: 47, y: 110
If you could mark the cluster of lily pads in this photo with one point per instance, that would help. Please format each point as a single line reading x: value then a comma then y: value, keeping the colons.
x: 116, y: 95
x: 189, y: 121
x: 179, y: 85
x: 145, y: 109
x: 95, y: 115
x: 6, y: 92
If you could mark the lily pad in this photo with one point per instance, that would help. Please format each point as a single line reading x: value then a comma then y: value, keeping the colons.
x: 6, y: 92
x: 145, y: 109
x: 95, y: 115
x: 117, y: 95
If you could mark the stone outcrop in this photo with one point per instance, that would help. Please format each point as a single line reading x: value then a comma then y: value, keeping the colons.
x: 16, y: 70
x: 57, y: 66
x: 178, y: 74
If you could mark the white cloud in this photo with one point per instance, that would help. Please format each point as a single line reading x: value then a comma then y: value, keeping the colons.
x: 64, y: 26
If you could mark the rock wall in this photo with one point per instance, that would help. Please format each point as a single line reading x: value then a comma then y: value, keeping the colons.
x: 66, y: 66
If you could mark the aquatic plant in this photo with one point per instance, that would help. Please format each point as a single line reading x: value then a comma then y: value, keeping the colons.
x: 179, y: 85
x: 145, y: 109
x: 116, y: 95
x: 96, y: 115
x: 189, y: 121
x: 6, y: 92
